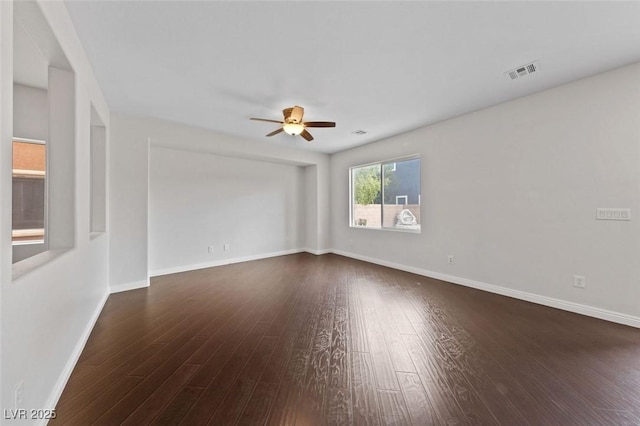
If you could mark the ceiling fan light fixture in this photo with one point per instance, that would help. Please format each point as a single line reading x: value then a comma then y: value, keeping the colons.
x: 293, y: 123
x: 293, y: 129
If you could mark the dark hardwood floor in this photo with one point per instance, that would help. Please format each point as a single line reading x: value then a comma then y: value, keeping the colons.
x: 309, y: 340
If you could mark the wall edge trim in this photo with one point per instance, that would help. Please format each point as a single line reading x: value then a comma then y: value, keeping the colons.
x: 591, y: 311
x: 134, y: 285
x: 317, y: 252
x: 220, y: 262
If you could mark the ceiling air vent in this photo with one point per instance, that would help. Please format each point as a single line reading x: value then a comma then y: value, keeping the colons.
x: 523, y: 70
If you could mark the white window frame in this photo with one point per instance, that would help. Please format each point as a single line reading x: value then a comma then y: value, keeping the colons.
x: 382, y: 164
x: 46, y: 193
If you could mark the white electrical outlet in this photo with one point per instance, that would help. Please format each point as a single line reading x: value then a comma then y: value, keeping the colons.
x: 226, y: 247
x: 579, y: 281
x: 450, y: 259
x: 210, y: 249
x: 18, y: 395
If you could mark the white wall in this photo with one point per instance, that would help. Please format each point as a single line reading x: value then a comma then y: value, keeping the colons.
x: 511, y: 191
x: 131, y: 139
x: 128, y: 207
x: 6, y: 134
x: 47, y: 312
x: 311, y: 211
x: 199, y: 200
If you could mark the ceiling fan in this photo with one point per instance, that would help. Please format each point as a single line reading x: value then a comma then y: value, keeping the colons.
x: 294, y: 125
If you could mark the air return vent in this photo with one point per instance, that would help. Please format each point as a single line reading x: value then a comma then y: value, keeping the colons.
x: 523, y: 70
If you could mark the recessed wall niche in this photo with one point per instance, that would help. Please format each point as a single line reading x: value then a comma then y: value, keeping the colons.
x: 44, y: 166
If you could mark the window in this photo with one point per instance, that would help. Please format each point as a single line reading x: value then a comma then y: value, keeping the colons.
x: 386, y: 195
x: 29, y: 191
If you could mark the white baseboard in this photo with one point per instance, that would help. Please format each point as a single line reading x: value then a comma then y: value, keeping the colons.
x: 577, y: 308
x: 117, y: 288
x: 73, y: 359
x: 317, y: 252
x: 220, y: 262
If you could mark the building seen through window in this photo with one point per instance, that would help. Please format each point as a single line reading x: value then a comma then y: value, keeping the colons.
x: 29, y: 191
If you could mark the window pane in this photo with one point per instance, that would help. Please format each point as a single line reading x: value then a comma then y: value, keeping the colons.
x: 401, y: 207
x: 29, y: 171
x: 367, y: 192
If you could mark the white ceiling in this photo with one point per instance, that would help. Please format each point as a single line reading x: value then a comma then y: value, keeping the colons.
x: 384, y: 67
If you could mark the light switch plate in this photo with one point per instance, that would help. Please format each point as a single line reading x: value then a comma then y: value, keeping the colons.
x: 613, y: 214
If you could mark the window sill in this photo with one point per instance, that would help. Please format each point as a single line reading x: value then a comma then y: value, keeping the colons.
x: 96, y: 234
x: 22, y: 268
x: 403, y: 230
x: 26, y: 243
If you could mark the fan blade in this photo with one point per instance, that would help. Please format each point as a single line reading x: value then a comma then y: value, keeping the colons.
x: 296, y: 114
x: 275, y: 132
x: 287, y: 112
x: 264, y: 119
x: 306, y: 135
x: 319, y: 124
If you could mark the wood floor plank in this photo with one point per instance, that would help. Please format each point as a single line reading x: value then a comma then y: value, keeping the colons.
x: 501, y: 393
x: 545, y: 380
x: 366, y: 410
x: 338, y: 406
x: 120, y: 411
x: 257, y: 409
x: 357, y: 327
x: 442, y: 398
x: 308, y: 330
x: 178, y: 407
x: 238, y: 395
x: 232, y: 320
x: 400, y: 310
x: 384, y: 370
x: 290, y: 391
x: 232, y: 340
x: 123, y: 336
x: 419, y: 407
x: 448, y: 353
x: 276, y: 368
x: 293, y: 382
x: 400, y: 358
x: 87, y: 390
x: 305, y: 339
x: 312, y: 405
x: 94, y: 408
x: 393, y: 408
x: 497, y: 388
x: 228, y: 372
x: 161, y: 396
x: 546, y: 385
x: 298, y: 317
